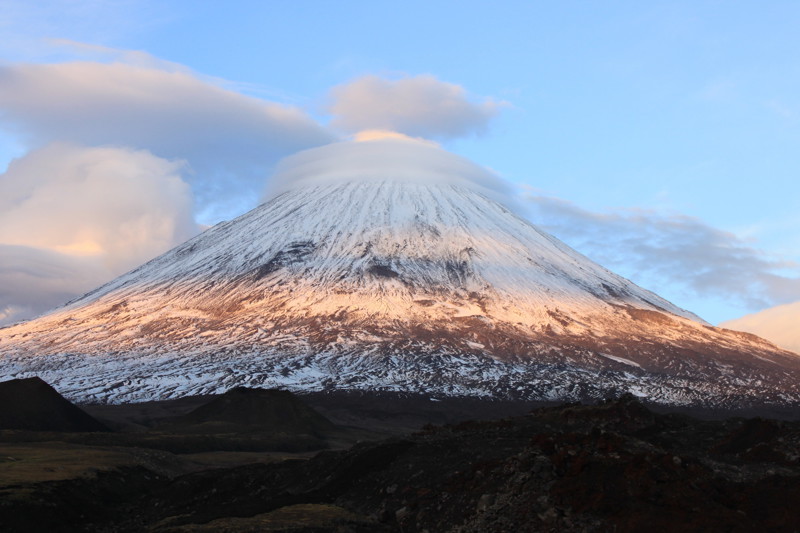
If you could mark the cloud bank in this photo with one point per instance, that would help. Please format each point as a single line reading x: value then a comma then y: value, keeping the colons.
x: 420, y: 106
x: 73, y: 217
x: 672, y: 249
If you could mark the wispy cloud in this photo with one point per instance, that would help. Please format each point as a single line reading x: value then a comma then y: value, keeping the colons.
x: 780, y: 108
x: 420, y: 106
x: 672, y: 249
x: 26, y: 25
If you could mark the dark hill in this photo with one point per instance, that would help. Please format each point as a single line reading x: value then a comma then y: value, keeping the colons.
x: 31, y: 404
x: 258, y: 410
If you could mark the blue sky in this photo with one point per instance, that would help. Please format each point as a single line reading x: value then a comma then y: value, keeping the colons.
x: 659, y: 138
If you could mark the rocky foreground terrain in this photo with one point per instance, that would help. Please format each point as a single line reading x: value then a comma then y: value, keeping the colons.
x: 613, y: 466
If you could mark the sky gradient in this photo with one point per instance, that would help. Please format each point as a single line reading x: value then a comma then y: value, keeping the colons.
x: 658, y: 138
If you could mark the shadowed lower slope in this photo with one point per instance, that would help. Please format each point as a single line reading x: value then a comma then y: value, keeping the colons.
x: 244, y: 409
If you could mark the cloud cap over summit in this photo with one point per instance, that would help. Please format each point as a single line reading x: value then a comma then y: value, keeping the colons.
x: 384, y: 157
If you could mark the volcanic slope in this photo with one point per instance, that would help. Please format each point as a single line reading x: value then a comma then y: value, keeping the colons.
x: 388, y: 285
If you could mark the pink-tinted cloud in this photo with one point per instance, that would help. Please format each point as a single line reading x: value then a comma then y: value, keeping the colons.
x: 420, y: 106
x: 73, y: 217
x: 777, y: 324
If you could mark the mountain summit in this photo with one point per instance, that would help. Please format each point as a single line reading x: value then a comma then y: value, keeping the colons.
x: 390, y: 284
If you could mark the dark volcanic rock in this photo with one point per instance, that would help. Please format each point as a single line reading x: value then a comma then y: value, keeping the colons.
x: 32, y: 404
x: 614, y: 466
x: 609, y: 467
x: 244, y: 409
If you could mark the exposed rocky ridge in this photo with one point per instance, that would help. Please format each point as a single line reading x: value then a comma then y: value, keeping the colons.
x: 388, y: 285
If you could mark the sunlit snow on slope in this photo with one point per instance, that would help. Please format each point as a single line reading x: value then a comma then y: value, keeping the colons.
x: 138, y: 377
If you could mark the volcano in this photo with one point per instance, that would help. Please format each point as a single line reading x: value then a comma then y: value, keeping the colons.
x: 388, y: 280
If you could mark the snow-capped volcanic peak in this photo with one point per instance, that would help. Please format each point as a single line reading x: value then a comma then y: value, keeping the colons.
x: 382, y: 281
x: 375, y: 250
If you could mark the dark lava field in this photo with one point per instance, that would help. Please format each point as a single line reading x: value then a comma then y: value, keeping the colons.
x: 258, y: 460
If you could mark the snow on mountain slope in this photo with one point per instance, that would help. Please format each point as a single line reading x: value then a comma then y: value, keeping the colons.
x: 388, y: 283
x: 780, y: 324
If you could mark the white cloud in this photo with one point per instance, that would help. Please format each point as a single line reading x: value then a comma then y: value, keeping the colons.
x: 384, y: 158
x: 420, y: 106
x: 231, y: 141
x: 668, y: 249
x: 73, y: 217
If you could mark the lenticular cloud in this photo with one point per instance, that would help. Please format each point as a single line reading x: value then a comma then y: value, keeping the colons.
x: 420, y: 106
x: 391, y: 157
